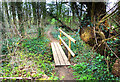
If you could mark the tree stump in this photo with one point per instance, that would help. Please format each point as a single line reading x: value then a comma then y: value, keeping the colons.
x: 116, y: 68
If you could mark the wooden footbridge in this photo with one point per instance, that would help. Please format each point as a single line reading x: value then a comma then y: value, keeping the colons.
x: 59, y: 55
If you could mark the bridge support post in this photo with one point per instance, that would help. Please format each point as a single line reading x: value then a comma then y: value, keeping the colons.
x: 60, y: 36
x: 69, y: 55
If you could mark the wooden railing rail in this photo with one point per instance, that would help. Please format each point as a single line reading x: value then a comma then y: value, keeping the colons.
x: 70, y: 52
x: 69, y: 37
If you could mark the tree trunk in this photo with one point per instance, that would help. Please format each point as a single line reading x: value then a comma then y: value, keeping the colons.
x: 87, y: 32
x: 3, y: 32
x: 34, y: 7
x: 20, y: 17
x: 39, y: 11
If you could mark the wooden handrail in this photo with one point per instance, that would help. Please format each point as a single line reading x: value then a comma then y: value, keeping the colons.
x: 67, y: 46
x: 69, y: 37
x: 70, y: 52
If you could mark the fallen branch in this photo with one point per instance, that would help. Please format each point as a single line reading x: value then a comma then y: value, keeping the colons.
x: 107, y: 16
x: 111, y: 50
x: 2, y: 55
x: 66, y: 27
x: 110, y: 9
x: 111, y: 37
x: 16, y: 78
x: 115, y: 22
x: 107, y: 47
x: 101, y: 34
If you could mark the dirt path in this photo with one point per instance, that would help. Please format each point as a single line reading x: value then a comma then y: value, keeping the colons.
x: 50, y: 36
x: 61, y: 71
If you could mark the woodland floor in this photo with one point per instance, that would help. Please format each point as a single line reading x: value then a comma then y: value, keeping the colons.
x: 63, y: 71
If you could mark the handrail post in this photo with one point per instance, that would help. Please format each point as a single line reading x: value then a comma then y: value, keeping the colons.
x: 69, y: 55
x: 60, y: 36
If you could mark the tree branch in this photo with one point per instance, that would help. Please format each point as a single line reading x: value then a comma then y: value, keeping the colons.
x: 111, y: 37
x: 66, y: 27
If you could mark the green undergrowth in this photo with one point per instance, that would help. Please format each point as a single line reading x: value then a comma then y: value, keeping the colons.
x: 87, y: 63
x: 33, y: 58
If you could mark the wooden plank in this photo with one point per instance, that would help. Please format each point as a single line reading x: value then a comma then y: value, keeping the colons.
x: 55, y: 54
x: 59, y: 54
x: 63, y: 55
x: 67, y: 47
x: 69, y: 37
